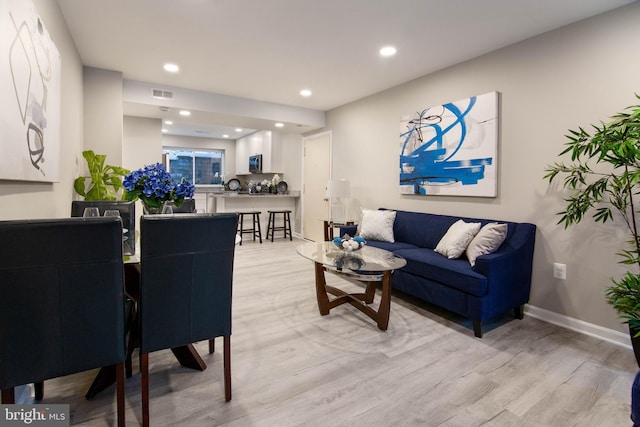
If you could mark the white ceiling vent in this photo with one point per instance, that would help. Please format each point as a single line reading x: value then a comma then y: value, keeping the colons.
x: 162, y: 94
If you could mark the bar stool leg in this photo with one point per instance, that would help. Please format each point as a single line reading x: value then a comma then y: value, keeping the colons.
x: 241, y: 225
x: 253, y: 226
x: 287, y: 226
x: 272, y: 225
x: 256, y: 220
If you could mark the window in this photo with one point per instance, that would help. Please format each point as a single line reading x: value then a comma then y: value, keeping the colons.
x: 202, y: 167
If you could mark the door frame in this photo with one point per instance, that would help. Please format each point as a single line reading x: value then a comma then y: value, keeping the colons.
x: 304, y: 192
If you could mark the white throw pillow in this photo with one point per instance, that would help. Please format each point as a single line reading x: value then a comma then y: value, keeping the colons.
x: 457, y: 238
x: 377, y: 225
x: 488, y: 240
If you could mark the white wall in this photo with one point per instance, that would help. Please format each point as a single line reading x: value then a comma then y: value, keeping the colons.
x: 142, y: 142
x: 33, y: 200
x: 570, y: 77
x: 103, y: 113
x: 292, y: 172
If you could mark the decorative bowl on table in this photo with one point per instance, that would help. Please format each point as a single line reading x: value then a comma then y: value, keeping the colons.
x: 348, y: 243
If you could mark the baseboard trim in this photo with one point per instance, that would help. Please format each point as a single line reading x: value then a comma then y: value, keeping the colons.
x: 605, y: 334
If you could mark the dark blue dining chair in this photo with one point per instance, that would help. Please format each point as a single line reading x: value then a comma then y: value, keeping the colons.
x: 127, y: 211
x: 187, y: 206
x: 61, y: 301
x: 186, y: 277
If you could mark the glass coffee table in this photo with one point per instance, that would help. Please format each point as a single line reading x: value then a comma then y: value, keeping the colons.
x: 370, y: 265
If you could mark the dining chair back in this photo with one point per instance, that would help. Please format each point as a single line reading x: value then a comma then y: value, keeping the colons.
x: 187, y: 206
x: 127, y: 211
x: 186, y: 277
x: 61, y: 301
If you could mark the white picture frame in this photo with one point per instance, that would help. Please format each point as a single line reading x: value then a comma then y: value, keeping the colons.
x: 451, y: 149
x: 30, y: 81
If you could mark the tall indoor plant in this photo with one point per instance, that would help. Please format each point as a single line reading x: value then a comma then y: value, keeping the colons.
x: 105, y: 181
x: 607, y: 187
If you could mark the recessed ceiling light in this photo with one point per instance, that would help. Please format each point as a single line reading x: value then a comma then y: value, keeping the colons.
x: 238, y: 130
x: 168, y: 122
x: 305, y: 92
x: 225, y: 136
x: 279, y: 125
x: 388, y: 51
x: 185, y: 113
x: 171, y: 68
x: 164, y: 131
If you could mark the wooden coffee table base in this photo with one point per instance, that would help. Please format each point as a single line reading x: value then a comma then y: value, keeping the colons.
x: 358, y: 300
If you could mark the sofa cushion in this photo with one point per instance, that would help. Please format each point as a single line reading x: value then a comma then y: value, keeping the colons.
x: 457, y: 238
x: 455, y: 273
x: 487, y: 241
x: 377, y: 225
x: 421, y: 229
x: 392, y: 247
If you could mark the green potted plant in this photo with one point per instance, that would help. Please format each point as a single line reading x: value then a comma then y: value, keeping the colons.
x: 609, y: 186
x: 105, y: 181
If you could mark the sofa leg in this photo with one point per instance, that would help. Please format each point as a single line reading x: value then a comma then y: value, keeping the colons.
x: 518, y: 312
x: 477, y: 328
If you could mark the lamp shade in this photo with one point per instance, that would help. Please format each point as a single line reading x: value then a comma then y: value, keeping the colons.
x: 339, y: 188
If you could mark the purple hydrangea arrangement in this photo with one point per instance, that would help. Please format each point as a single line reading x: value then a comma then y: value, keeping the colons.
x: 154, y: 186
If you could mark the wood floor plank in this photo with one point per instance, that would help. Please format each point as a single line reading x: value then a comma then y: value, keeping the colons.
x: 293, y: 367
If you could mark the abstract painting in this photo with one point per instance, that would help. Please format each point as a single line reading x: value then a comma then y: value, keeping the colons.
x: 30, y: 69
x: 451, y: 149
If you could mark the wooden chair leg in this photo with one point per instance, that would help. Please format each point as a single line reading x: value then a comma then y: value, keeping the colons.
x: 144, y: 371
x: 212, y: 345
x: 227, y: 367
x: 38, y: 390
x: 120, y: 373
x: 8, y: 396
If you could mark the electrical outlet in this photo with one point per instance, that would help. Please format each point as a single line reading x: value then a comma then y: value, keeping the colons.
x: 559, y: 271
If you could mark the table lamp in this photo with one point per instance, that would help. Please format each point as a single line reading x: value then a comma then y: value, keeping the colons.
x: 337, y: 189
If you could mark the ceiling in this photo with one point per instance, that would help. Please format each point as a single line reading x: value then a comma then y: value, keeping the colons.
x: 265, y: 52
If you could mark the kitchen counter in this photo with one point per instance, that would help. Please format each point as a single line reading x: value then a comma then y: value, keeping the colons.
x: 231, y: 201
x: 233, y: 194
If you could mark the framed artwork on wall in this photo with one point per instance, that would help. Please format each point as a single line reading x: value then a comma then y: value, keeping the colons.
x: 30, y: 68
x: 451, y: 149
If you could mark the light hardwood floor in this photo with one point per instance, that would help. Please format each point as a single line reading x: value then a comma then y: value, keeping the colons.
x: 293, y: 367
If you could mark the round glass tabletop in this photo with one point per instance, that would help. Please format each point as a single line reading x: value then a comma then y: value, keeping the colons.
x: 367, y: 260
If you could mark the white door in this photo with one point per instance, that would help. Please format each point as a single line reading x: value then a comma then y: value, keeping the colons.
x: 315, y: 175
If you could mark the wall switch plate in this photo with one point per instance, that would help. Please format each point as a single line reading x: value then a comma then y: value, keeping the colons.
x: 559, y: 271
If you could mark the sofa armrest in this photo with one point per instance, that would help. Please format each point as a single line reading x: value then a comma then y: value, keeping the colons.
x: 508, y: 271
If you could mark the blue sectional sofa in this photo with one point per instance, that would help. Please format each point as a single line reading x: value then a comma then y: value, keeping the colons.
x: 499, y: 282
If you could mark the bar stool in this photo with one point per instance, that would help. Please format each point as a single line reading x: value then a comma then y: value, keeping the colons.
x: 255, y: 225
x: 286, y: 224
